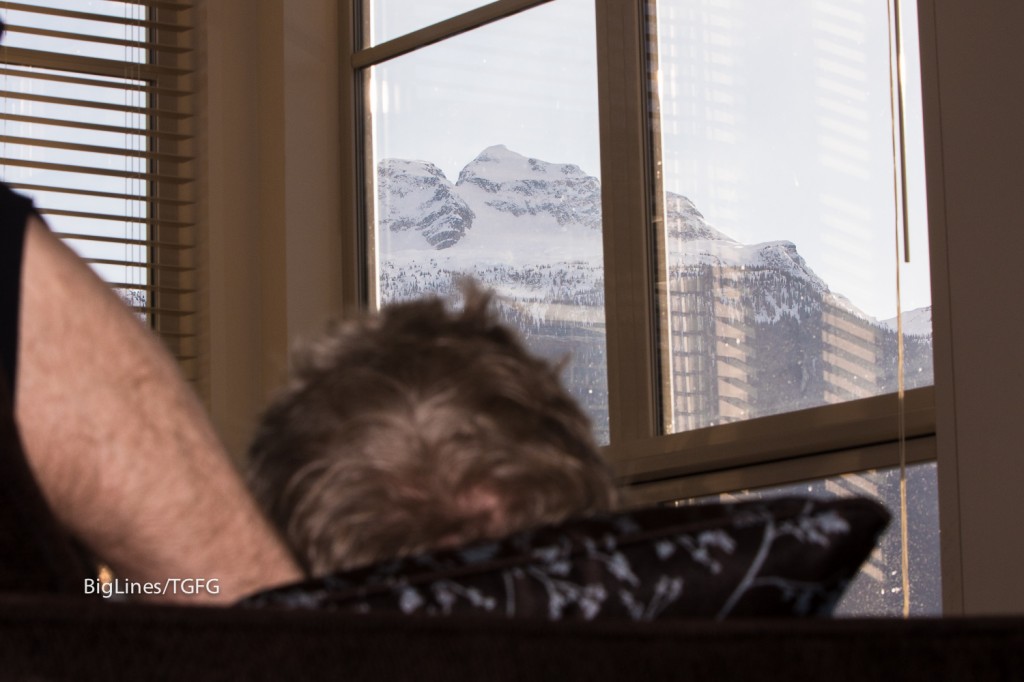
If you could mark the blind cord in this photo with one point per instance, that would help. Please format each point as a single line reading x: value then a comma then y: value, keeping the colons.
x: 901, y: 229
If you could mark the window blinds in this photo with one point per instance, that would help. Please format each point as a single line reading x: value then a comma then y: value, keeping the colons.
x: 95, y: 127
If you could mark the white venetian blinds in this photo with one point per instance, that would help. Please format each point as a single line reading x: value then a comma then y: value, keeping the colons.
x: 95, y: 127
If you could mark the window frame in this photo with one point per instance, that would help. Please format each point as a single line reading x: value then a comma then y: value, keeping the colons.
x: 775, y: 450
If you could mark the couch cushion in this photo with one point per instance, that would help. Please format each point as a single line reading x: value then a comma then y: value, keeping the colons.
x: 782, y: 557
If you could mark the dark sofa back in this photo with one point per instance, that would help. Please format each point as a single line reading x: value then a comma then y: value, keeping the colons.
x: 77, y: 639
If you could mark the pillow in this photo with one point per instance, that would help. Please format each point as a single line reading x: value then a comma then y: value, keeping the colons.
x: 782, y: 557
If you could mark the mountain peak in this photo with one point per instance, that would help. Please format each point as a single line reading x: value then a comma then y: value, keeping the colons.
x: 499, y: 164
x: 497, y: 152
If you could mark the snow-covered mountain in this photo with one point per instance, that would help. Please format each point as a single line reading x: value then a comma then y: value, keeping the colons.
x: 418, y: 202
x: 505, y: 209
x: 526, y: 227
x: 766, y: 334
x: 916, y: 322
x: 514, y: 184
x: 692, y: 243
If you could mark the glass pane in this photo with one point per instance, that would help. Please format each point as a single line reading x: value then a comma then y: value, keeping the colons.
x: 485, y: 150
x: 878, y: 588
x: 392, y: 18
x: 774, y: 126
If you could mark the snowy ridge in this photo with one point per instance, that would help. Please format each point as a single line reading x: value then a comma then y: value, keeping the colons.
x: 916, y: 322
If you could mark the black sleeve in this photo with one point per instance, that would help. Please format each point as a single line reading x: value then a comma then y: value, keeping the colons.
x: 14, y: 211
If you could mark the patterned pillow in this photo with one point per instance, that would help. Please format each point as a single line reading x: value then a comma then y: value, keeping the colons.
x: 782, y: 557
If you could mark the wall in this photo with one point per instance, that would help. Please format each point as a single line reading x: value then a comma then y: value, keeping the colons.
x: 269, y: 168
x: 974, y: 104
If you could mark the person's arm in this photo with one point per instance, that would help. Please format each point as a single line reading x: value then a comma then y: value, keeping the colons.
x: 122, y: 450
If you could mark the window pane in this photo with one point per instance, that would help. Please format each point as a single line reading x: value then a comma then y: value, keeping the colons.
x: 392, y: 18
x: 485, y: 149
x: 878, y: 588
x: 774, y: 126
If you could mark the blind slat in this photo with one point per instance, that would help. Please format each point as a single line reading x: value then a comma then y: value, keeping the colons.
x: 134, y: 264
x: 120, y: 240
x: 102, y: 40
x: 91, y: 170
x: 158, y: 201
x: 152, y: 222
x: 84, y: 125
x: 89, y: 65
x: 164, y: 4
x: 151, y: 288
x: 90, y: 104
x: 89, y: 16
x: 93, y: 149
x: 92, y: 82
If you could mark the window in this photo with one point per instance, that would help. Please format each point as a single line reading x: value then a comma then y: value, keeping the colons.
x: 468, y: 138
x: 94, y: 127
x: 774, y: 123
x: 878, y: 588
x: 739, y: 324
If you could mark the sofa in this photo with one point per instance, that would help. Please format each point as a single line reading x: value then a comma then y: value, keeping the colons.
x: 63, y: 638
x: 361, y: 625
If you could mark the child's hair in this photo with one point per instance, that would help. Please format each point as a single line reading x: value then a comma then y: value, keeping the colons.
x: 421, y: 428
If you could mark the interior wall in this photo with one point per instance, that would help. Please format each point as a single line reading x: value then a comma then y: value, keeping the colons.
x: 268, y: 132
x: 974, y: 103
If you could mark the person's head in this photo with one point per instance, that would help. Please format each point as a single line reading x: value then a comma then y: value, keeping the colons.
x: 421, y: 428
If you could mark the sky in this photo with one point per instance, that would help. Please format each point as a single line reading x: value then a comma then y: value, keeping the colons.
x: 528, y: 82
x: 776, y: 118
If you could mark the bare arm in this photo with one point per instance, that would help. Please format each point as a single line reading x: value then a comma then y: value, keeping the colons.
x: 122, y: 449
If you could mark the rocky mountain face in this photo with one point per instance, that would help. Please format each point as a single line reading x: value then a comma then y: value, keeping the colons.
x: 753, y: 330
x: 416, y: 197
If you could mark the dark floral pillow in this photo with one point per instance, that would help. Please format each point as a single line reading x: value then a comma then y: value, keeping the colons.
x: 782, y: 557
